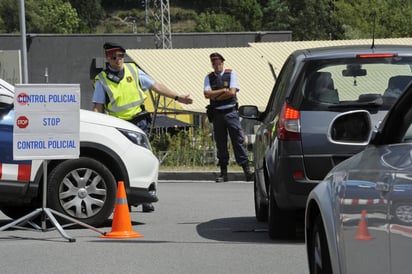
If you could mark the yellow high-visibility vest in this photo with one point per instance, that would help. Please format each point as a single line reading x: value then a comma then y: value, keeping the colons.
x: 125, y: 97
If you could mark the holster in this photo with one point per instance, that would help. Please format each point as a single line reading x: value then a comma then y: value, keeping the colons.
x: 143, y: 115
x: 209, y: 113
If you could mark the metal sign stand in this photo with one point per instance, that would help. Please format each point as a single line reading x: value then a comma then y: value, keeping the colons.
x: 47, y: 213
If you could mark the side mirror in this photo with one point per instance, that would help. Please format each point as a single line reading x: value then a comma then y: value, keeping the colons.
x: 351, y: 128
x: 249, y: 112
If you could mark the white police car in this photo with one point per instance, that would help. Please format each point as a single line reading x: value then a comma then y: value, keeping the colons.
x: 111, y: 150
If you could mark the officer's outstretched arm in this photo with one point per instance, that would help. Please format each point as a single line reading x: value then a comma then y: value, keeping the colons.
x: 165, y: 91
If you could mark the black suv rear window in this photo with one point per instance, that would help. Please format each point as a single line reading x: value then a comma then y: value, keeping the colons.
x: 346, y: 83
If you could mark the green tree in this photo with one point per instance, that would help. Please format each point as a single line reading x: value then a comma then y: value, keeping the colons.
x: 9, y: 10
x: 314, y: 20
x: 212, y: 22
x: 276, y: 16
x: 248, y: 13
x: 42, y: 16
x: 90, y: 13
x: 392, y: 18
x: 217, y: 6
x: 51, y: 16
x: 1, y: 25
x: 397, y: 18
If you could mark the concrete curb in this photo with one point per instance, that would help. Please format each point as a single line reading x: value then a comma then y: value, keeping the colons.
x: 197, y: 176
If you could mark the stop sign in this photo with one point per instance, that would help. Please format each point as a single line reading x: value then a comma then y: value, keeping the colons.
x: 22, y: 122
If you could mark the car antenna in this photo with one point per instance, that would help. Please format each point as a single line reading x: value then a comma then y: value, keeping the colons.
x: 272, y: 69
x: 373, y: 30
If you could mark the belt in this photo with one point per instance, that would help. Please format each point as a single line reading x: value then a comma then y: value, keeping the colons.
x: 139, y: 117
x: 226, y: 110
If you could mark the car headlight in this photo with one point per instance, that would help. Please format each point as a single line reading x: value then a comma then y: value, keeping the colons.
x: 137, y: 138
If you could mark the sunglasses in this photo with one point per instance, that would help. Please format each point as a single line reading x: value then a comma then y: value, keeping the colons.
x: 117, y: 56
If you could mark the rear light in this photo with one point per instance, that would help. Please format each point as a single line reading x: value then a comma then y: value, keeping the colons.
x: 376, y: 55
x: 289, y: 124
x: 298, y: 175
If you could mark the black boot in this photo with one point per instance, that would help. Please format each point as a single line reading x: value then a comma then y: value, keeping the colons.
x: 246, y: 171
x: 147, y: 207
x: 223, y: 175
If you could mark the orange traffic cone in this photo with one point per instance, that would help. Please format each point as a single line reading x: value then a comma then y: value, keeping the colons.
x: 121, y: 224
x: 363, y: 233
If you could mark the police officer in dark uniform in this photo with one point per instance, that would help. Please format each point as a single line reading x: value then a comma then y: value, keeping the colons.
x: 119, y: 90
x: 221, y: 87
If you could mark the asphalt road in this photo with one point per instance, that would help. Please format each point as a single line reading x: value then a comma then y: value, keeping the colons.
x: 197, y: 227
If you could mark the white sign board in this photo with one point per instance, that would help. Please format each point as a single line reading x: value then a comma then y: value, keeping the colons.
x: 46, y: 121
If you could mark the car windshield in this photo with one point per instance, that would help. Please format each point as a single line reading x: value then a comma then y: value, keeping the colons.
x: 371, y: 82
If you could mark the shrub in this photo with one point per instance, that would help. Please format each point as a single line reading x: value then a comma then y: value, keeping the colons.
x: 186, y: 148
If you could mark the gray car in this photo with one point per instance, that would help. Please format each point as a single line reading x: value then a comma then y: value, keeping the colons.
x: 292, y: 152
x: 359, y: 218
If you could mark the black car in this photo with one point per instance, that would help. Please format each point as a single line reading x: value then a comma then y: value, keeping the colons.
x: 291, y: 151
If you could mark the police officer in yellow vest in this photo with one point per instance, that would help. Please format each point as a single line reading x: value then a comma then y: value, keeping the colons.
x: 119, y: 90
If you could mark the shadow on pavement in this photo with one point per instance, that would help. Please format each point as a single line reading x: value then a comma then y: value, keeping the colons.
x: 242, y: 229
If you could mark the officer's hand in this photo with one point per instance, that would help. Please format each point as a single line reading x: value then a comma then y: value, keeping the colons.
x: 185, y: 99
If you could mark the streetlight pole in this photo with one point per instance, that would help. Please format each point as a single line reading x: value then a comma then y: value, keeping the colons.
x: 23, y: 42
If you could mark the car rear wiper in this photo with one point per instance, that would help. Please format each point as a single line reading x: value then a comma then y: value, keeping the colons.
x: 375, y: 103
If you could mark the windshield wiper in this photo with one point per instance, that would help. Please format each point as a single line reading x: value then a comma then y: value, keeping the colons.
x: 375, y: 103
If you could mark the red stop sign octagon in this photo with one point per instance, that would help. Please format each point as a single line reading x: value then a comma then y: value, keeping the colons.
x: 22, y: 122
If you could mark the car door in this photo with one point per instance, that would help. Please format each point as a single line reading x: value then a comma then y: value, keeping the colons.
x: 364, y: 204
x: 400, y: 157
x: 394, y: 138
x: 263, y: 136
x: 280, y: 92
x: 401, y: 225
x: 265, y: 133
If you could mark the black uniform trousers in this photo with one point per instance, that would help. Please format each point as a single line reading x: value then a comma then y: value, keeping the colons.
x: 227, y: 122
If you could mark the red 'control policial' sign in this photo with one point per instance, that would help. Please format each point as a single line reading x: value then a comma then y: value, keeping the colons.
x: 22, y: 98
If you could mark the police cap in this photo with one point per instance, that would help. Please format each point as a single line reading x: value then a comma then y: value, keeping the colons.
x: 216, y: 56
x: 112, y: 48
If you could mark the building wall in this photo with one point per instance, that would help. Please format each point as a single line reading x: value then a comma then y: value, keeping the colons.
x: 78, y: 58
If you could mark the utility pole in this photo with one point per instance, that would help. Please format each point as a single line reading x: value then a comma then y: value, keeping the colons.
x: 160, y: 10
x: 162, y: 29
x: 23, y: 41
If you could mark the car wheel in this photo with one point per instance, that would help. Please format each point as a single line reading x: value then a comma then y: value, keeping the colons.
x: 403, y: 213
x: 318, y: 251
x: 282, y: 223
x: 261, y: 208
x: 83, y: 189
